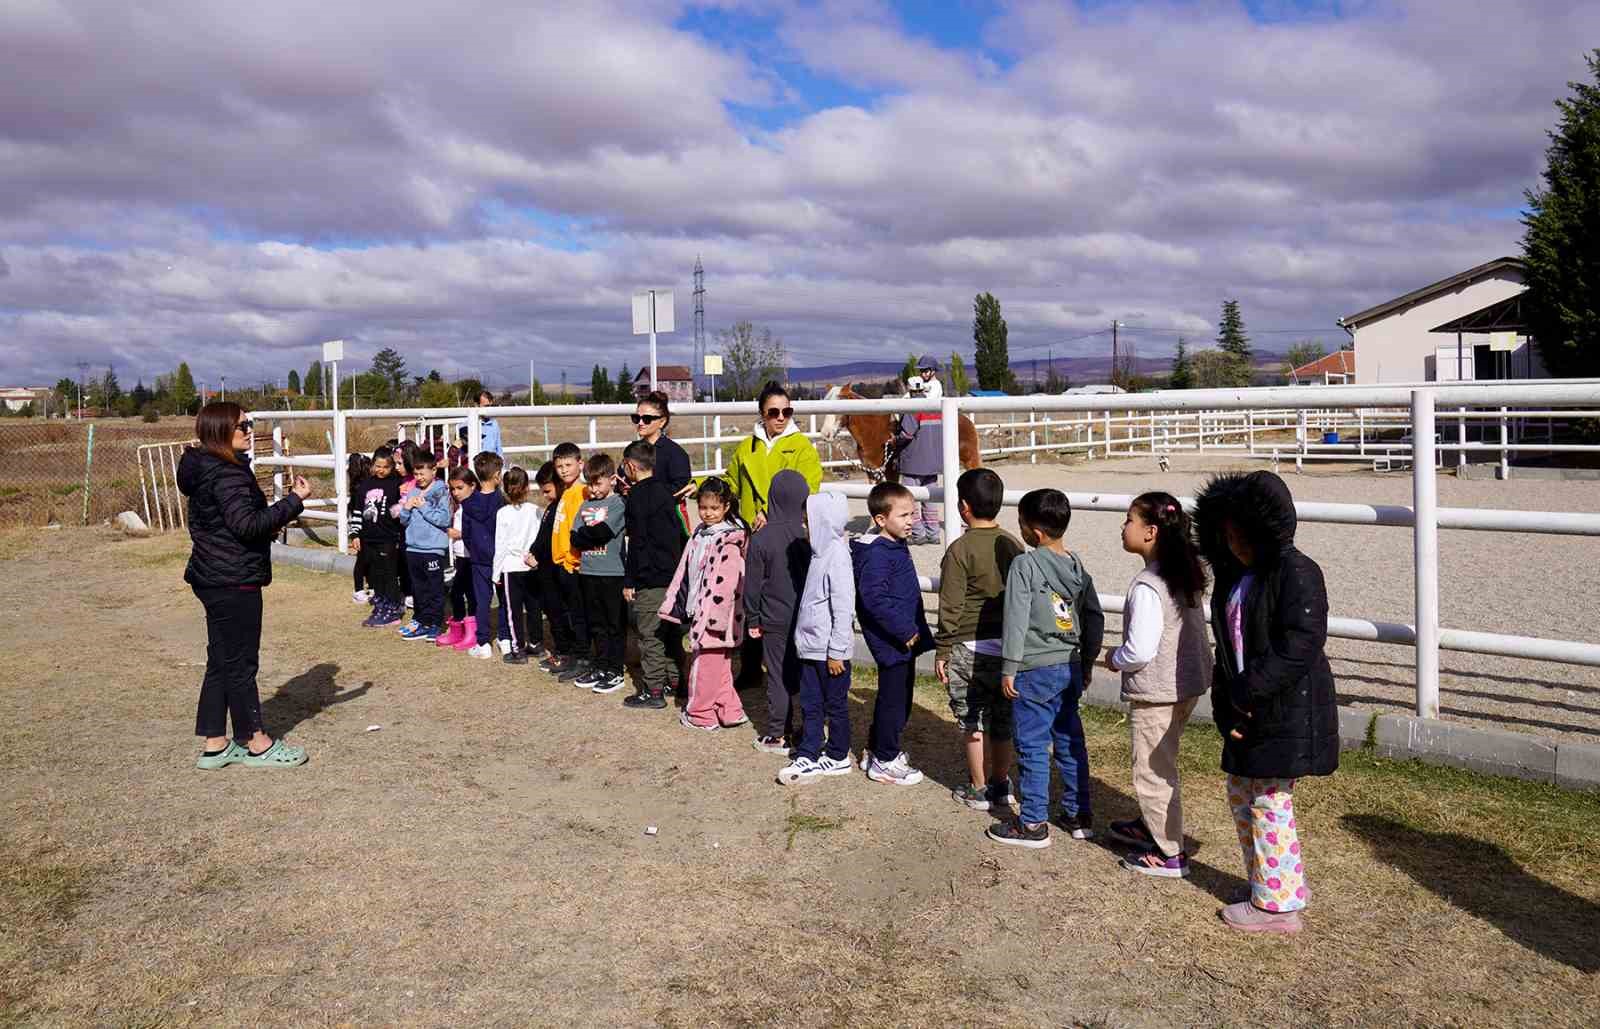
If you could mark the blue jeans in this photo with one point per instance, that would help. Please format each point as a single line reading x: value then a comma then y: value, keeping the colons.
x: 1046, y: 716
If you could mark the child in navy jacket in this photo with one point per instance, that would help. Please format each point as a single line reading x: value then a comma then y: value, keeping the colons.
x: 889, y: 608
x: 478, y: 514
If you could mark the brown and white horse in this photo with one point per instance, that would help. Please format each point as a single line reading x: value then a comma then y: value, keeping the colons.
x: 874, y: 437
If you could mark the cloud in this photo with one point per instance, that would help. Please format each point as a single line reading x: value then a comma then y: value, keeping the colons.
x: 480, y: 184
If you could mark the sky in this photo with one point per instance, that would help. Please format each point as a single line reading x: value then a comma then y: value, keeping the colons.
x: 481, y: 184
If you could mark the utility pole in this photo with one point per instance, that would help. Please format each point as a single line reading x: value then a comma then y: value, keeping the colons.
x: 83, y: 367
x: 1114, y: 351
x: 698, y: 371
x: 224, y: 387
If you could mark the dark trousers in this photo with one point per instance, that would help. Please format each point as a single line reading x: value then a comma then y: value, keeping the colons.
x: 555, y: 609
x: 483, y: 596
x: 783, y: 679
x: 463, y: 602
x: 824, y: 697
x: 405, y: 571
x: 233, y: 654
x: 427, y: 586
x: 607, y: 618
x: 577, y: 616
x: 750, y: 657
x: 891, y: 710
x: 383, y: 570
x: 362, y: 574
x: 521, y: 613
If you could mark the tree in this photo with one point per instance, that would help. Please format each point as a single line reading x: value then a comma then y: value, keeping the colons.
x: 1054, y: 381
x: 749, y: 358
x: 436, y: 394
x: 1182, y: 376
x: 434, y: 376
x: 992, y: 359
x: 294, y: 381
x: 66, y: 395
x: 1230, y: 332
x: 1218, y: 369
x: 388, y: 365
x: 600, y: 385
x: 110, y: 389
x: 312, y: 384
x: 140, y: 396
x: 909, y: 372
x: 1302, y: 353
x: 959, y: 383
x: 536, y: 393
x: 183, y: 391
x: 1561, y: 244
x: 624, y: 389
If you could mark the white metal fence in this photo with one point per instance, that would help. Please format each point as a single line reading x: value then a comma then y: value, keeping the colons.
x: 1243, y: 421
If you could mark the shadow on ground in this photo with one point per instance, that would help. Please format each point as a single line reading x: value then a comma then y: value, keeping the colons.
x: 304, y: 697
x: 1483, y: 880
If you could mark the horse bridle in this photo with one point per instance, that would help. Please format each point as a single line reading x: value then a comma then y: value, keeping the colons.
x: 880, y: 473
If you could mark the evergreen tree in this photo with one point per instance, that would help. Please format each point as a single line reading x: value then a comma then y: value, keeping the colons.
x: 536, y: 393
x: 183, y: 391
x: 140, y: 395
x: 1182, y: 376
x: 959, y: 383
x: 599, y: 385
x: 434, y: 376
x: 110, y: 389
x: 624, y: 391
x: 992, y: 359
x: 1230, y: 332
x: 312, y: 383
x: 388, y: 365
x: 1561, y: 247
x: 909, y: 372
x: 294, y: 381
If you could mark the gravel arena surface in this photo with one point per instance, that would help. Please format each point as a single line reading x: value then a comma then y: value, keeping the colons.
x: 482, y: 858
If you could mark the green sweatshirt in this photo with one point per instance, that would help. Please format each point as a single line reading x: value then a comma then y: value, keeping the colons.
x: 972, y: 586
x: 757, y: 459
x: 1052, y: 614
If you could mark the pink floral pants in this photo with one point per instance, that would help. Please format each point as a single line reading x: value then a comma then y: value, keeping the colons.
x: 1263, y: 813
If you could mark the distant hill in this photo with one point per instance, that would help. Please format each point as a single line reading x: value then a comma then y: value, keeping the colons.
x: 1079, y: 370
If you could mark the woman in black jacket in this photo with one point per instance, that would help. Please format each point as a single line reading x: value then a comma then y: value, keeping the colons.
x: 1272, y: 692
x: 231, y: 527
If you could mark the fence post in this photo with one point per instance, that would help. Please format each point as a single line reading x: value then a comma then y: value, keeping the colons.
x: 474, y: 435
x: 705, y: 445
x: 1033, y: 439
x: 1425, y: 502
x: 341, y: 482
x: 1505, y: 455
x: 716, y: 432
x: 88, y: 462
x: 277, y: 470
x: 950, y: 437
x: 1461, y: 436
x: 594, y: 429
x: 1108, y: 433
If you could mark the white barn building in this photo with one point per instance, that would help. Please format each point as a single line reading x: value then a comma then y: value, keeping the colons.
x: 1400, y: 340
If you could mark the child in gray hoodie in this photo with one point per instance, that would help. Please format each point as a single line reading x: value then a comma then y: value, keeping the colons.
x: 1052, y: 635
x: 824, y: 639
x: 774, y: 574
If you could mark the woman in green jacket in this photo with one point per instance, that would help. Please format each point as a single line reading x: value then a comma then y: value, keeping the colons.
x: 776, y: 444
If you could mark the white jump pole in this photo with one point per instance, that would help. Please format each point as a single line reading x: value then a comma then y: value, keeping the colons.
x: 950, y: 437
x: 1425, y: 503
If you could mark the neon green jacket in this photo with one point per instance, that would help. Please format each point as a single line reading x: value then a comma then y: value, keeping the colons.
x: 756, y: 460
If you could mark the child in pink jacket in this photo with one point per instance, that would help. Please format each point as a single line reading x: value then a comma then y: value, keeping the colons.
x: 707, y: 594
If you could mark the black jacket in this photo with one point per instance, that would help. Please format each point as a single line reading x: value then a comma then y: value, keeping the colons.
x: 655, y: 535
x: 230, y: 522
x: 1284, y: 703
x: 373, y: 499
x: 778, y: 556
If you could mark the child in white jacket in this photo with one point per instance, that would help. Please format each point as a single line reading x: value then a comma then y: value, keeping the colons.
x: 515, y: 526
x: 824, y: 640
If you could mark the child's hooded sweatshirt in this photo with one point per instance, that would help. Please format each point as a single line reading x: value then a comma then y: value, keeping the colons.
x: 1052, y: 614
x: 824, y: 625
x: 478, y: 514
x: 1283, y: 701
x: 425, y: 526
x: 889, y: 600
x: 775, y: 567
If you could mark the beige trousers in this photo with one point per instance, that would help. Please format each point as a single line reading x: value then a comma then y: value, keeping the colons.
x: 1157, y: 729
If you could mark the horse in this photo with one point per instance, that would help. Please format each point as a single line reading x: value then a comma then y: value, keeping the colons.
x: 874, y: 437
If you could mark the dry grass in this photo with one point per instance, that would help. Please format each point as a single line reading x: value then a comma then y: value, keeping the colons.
x: 481, y: 859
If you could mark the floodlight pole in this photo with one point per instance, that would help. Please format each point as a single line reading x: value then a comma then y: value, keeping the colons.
x: 652, y: 341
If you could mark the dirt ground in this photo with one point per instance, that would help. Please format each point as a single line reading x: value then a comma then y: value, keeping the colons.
x: 481, y: 859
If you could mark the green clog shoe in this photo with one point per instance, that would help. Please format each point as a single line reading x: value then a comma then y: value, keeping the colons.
x: 279, y: 755
x: 230, y: 754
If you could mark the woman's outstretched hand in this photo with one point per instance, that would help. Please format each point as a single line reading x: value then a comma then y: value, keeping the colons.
x: 302, y: 488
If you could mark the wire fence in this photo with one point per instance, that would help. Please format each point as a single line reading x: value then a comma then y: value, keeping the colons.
x: 55, y: 472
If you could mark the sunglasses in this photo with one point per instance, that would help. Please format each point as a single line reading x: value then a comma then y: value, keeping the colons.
x: 245, y: 426
x: 644, y: 419
x: 780, y: 412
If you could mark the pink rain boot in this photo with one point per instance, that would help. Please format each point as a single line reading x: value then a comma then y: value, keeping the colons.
x: 469, y: 634
x: 451, y: 635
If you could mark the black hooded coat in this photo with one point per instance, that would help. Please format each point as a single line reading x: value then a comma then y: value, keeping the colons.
x: 230, y: 522
x: 1283, y: 703
x: 778, y: 557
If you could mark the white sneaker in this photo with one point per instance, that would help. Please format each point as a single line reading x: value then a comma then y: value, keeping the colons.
x: 360, y: 596
x: 897, y: 772
x: 505, y: 646
x: 801, y: 769
x: 482, y: 650
x: 836, y: 766
x: 410, y: 604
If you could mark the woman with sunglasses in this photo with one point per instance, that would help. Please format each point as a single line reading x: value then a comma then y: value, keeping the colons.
x: 776, y: 444
x: 231, y: 526
x: 650, y: 421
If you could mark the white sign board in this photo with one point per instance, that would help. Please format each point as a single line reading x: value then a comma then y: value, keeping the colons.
x: 641, y: 310
x: 333, y: 350
x: 1503, y: 341
x: 713, y: 365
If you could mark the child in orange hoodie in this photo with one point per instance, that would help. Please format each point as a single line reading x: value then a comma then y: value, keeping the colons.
x: 568, y: 460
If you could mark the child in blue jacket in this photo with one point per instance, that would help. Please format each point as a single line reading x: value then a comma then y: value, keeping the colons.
x: 478, y: 514
x: 424, y: 510
x: 889, y: 609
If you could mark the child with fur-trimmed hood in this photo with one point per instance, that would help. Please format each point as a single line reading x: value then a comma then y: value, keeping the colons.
x: 1272, y: 692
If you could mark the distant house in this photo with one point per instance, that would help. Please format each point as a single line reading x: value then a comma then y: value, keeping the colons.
x: 1330, y: 369
x: 672, y: 379
x: 1464, y: 327
x: 15, y: 398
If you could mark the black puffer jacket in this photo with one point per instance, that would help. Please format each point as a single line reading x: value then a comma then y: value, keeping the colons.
x: 230, y: 522
x: 1284, y: 704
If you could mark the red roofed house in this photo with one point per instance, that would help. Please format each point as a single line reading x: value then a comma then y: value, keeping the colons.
x: 1330, y: 369
x: 672, y: 379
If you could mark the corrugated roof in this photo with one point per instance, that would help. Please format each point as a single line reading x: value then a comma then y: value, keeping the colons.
x: 665, y: 373
x: 1430, y: 291
x: 1340, y: 362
